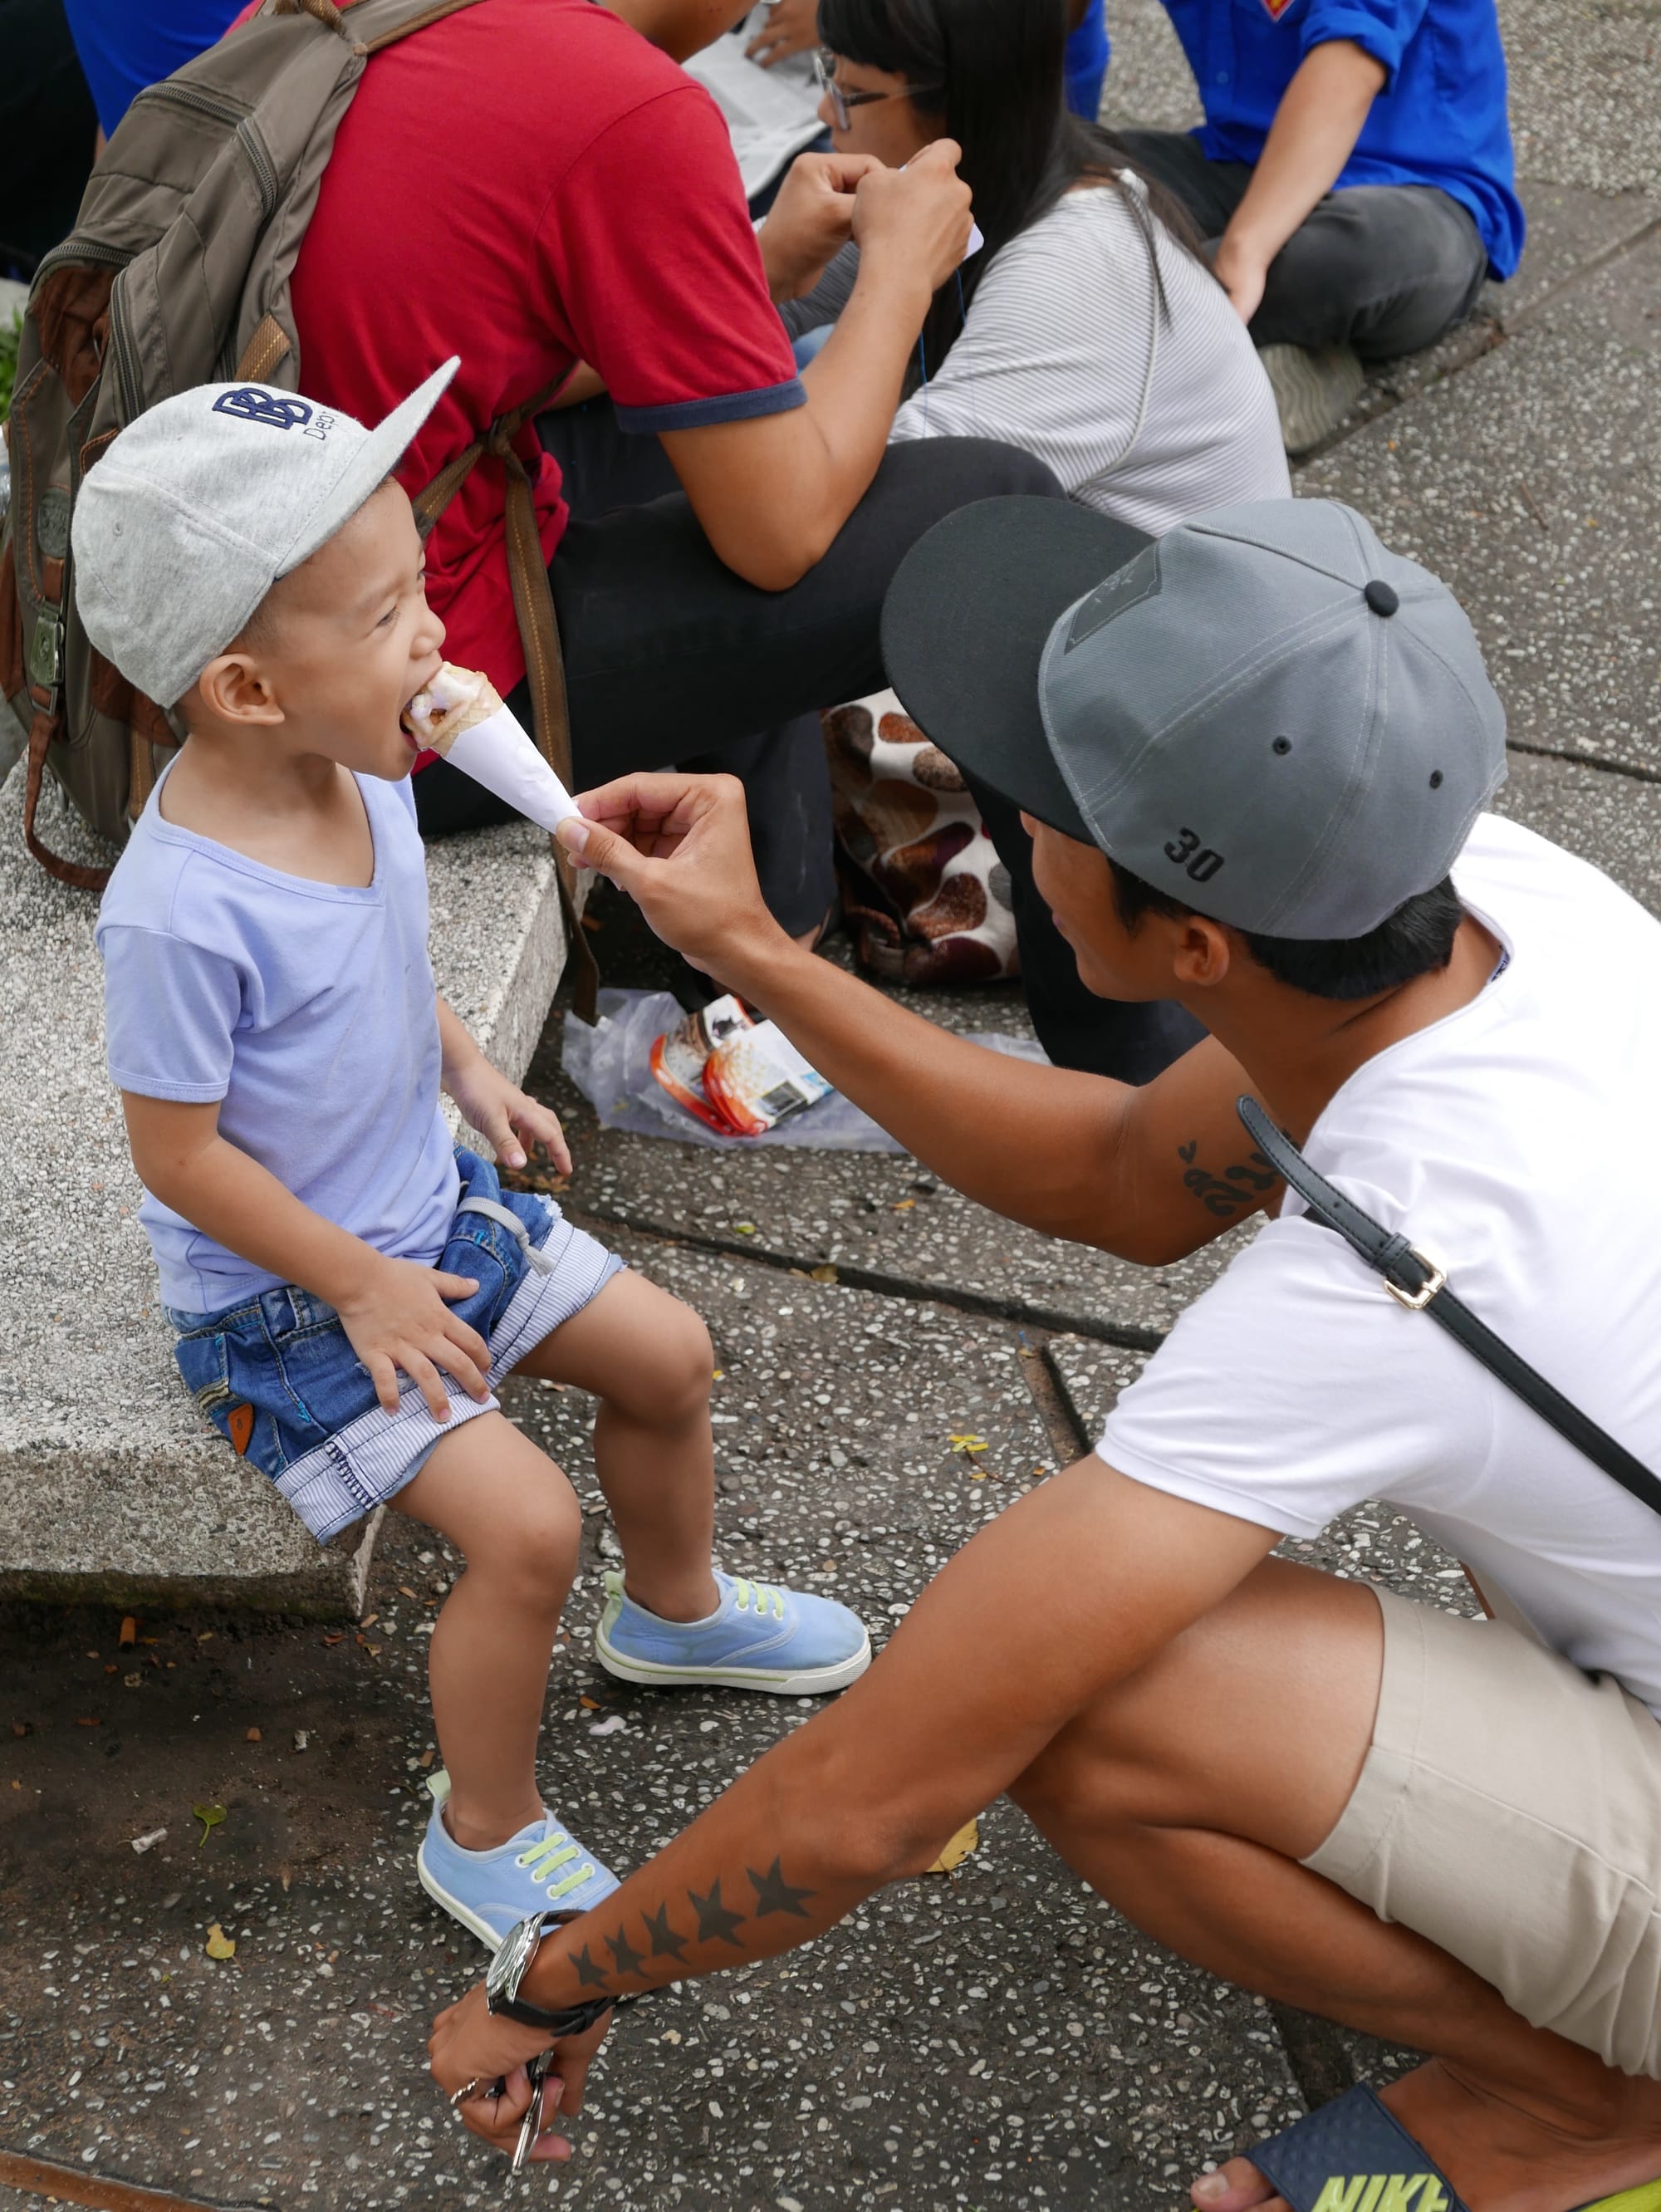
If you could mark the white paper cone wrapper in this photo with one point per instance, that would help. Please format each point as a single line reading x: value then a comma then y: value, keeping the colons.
x: 499, y: 754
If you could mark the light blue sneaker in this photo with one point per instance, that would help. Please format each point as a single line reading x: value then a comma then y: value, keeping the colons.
x: 490, y: 1892
x: 758, y: 1637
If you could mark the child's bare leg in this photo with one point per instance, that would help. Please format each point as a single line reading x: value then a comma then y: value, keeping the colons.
x: 510, y: 1512
x: 647, y: 1358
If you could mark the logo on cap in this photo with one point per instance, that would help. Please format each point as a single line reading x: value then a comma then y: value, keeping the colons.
x: 1126, y: 588
x: 250, y: 404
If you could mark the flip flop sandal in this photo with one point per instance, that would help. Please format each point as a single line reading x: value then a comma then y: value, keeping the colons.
x: 1354, y: 2155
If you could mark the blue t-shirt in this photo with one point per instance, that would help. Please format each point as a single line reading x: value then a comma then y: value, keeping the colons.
x: 1086, y: 62
x: 308, y: 1010
x: 123, y: 45
x: 1440, y: 119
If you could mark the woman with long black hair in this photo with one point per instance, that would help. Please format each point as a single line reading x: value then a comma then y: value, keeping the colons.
x: 1086, y: 329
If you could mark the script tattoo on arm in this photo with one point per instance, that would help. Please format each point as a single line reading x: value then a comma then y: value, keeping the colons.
x: 1236, y: 1190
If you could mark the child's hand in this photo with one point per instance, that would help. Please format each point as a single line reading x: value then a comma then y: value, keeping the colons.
x: 501, y: 1112
x: 400, y: 1320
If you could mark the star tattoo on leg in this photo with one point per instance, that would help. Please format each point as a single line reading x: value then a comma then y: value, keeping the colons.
x: 590, y: 1975
x: 774, y: 1894
x: 666, y: 1942
x: 627, y: 1958
x: 713, y: 1917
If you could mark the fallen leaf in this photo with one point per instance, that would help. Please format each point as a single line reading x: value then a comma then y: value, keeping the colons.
x: 302, y: 1737
x: 369, y: 1620
x: 716, y: 1373
x: 93, y: 1721
x: 252, y: 1737
x: 904, y: 1205
x: 745, y: 1228
x: 339, y: 1636
x: 823, y: 1273
x: 220, y: 1945
x: 19, y: 1728
x: 206, y: 1637
x: 405, y: 1590
x: 287, y: 1877
x: 111, y: 1668
x: 592, y: 1704
x: 968, y: 1444
x: 210, y: 1816
x: 966, y: 1839
x: 132, y: 1681
x: 426, y: 1757
x: 129, y: 1631
x: 669, y: 2035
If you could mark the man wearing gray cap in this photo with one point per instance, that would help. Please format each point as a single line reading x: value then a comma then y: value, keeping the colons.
x: 1254, y: 759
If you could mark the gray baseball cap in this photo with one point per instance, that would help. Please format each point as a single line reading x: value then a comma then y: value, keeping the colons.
x: 1264, y: 713
x: 203, y: 502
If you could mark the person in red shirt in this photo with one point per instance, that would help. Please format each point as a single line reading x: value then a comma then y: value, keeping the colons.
x: 536, y: 184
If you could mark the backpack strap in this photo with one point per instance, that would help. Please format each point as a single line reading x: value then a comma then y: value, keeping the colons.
x: 79, y: 877
x: 1421, y: 1285
x: 539, y: 635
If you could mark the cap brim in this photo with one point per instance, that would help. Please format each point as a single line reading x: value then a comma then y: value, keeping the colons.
x: 964, y: 628
x: 376, y: 458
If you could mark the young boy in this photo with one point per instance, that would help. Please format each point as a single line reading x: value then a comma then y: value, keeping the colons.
x: 347, y: 1291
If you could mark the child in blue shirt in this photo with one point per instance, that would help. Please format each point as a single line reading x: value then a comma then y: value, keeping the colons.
x: 349, y: 1289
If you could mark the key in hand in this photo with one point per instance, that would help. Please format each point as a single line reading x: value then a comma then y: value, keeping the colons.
x: 530, y: 2126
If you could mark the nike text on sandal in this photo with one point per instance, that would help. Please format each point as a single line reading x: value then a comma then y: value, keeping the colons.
x: 760, y: 1637
x: 1354, y: 2155
x: 490, y: 1892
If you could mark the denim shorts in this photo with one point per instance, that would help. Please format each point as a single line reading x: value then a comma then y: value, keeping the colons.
x: 278, y: 1378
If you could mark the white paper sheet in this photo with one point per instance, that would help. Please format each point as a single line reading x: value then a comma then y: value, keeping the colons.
x: 499, y: 754
x: 771, y: 114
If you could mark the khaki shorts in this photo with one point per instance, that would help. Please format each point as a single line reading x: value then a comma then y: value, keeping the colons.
x: 1510, y: 1811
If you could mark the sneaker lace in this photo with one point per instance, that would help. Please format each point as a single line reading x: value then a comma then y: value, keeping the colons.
x: 554, y: 1851
x: 765, y: 1597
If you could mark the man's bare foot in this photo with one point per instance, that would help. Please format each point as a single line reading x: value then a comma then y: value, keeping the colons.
x: 1499, y: 2155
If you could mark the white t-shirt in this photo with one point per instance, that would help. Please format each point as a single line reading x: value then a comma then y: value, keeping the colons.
x: 1513, y: 1143
x: 1065, y: 354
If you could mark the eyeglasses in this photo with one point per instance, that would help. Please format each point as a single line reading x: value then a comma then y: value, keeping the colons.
x: 843, y: 103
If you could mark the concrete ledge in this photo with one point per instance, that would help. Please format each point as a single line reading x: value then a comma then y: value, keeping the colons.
x: 111, y: 1486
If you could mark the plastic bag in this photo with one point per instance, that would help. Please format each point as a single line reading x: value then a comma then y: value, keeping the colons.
x: 611, y: 1064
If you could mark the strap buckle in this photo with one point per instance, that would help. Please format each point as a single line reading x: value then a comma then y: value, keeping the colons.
x: 1416, y: 1301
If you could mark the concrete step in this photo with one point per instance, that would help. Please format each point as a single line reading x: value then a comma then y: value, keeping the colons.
x: 112, y: 1485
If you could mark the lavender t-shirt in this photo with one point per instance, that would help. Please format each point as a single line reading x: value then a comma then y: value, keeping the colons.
x: 307, y: 1009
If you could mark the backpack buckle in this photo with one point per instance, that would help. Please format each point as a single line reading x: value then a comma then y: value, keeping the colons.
x: 47, y: 653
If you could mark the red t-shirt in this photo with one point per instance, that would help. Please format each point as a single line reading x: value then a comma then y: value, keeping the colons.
x: 529, y: 183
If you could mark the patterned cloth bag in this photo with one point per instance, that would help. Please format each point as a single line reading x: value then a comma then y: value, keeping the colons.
x: 923, y: 888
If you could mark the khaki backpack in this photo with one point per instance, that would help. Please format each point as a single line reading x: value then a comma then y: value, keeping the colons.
x: 177, y: 273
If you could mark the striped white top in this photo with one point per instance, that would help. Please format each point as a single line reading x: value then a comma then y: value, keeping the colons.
x: 1147, y: 417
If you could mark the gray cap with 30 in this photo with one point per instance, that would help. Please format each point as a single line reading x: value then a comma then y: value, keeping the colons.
x: 1266, y: 713
x: 203, y: 502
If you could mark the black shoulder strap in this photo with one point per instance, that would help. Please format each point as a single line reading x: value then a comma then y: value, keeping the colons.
x: 1421, y: 1285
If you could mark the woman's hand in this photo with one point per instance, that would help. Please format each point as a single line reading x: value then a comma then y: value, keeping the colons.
x: 470, y: 2043
x: 791, y: 27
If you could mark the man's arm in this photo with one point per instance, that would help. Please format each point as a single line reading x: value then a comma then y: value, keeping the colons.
x: 955, y: 1709
x: 772, y: 491
x: 1150, y: 1174
x: 1313, y: 134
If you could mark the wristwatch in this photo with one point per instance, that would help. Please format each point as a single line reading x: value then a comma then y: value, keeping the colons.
x: 511, y: 1964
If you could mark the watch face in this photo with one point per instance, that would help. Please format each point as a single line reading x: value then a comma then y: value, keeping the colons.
x: 509, y: 1963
